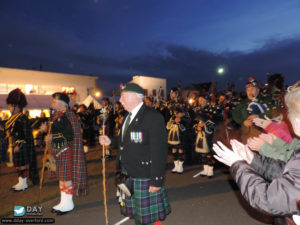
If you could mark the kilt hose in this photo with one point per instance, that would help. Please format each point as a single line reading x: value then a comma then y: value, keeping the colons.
x: 206, y: 158
x: 64, y: 165
x: 144, y: 206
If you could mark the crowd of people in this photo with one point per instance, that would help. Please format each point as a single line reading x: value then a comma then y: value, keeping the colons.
x: 260, y: 124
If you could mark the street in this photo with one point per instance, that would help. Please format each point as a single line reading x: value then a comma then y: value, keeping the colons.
x: 194, y: 201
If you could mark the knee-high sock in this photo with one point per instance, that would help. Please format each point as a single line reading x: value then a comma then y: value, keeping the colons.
x: 175, y: 155
x: 180, y: 156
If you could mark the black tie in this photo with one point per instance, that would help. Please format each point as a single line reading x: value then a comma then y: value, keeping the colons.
x: 127, y: 123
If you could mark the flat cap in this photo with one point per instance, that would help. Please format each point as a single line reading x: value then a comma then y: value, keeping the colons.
x: 133, y: 87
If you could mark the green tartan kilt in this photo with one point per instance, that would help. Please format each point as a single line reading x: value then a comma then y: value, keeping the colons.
x: 144, y: 206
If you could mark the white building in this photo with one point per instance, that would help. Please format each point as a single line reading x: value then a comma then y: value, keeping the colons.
x: 47, y: 83
x: 153, y: 85
x: 39, y: 85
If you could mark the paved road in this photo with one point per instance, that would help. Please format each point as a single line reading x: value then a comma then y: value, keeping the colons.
x: 194, y: 201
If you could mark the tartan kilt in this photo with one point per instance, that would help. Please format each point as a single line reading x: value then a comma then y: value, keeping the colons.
x: 64, y: 165
x: 144, y: 206
x: 22, y: 157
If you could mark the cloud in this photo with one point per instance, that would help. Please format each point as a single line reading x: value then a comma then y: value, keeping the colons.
x: 189, y: 65
x: 174, y: 62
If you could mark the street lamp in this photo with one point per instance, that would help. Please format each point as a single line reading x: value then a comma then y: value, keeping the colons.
x: 220, y: 70
x: 97, y: 94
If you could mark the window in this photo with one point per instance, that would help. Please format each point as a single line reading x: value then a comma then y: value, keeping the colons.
x: 146, y: 92
x: 154, y: 92
x: 3, y: 89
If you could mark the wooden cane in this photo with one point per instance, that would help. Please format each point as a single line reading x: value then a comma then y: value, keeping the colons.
x: 47, y: 147
x: 103, y: 175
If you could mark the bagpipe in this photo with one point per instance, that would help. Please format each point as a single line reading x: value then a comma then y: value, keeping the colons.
x: 255, y: 107
x: 8, y: 129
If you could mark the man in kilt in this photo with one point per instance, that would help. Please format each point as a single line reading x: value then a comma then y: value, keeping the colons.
x: 67, y: 148
x: 142, y: 157
x: 20, y: 139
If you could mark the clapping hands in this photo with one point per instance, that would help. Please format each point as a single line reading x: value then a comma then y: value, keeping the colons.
x: 228, y: 157
x: 256, y: 143
x: 263, y: 123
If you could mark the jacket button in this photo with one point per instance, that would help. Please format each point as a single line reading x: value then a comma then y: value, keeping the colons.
x: 121, y: 148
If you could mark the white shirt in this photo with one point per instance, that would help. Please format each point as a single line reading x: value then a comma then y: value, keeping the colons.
x: 133, y: 114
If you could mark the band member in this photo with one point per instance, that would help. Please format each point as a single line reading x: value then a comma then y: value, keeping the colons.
x: 20, y: 138
x: 119, y: 114
x: 204, y: 129
x: 87, y: 126
x: 253, y: 107
x: 66, y: 146
x: 177, y: 127
x: 142, y: 157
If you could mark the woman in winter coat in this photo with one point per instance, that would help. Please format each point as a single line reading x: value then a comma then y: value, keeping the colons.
x: 270, y: 185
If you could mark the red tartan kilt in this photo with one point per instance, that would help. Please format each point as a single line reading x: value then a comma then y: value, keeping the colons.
x: 64, y: 165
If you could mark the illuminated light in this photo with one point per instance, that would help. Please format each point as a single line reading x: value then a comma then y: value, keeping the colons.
x: 220, y: 70
x: 68, y: 90
x: 33, y: 113
x: 191, y: 101
x: 28, y: 88
x: 5, y: 114
x: 35, y: 133
x: 47, y: 112
x: 97, y: 94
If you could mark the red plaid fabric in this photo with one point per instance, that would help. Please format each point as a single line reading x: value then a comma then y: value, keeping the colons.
x: 79, y: 171
x: 64, y: 165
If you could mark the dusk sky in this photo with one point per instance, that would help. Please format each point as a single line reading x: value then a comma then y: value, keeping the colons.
x: 177, y: 40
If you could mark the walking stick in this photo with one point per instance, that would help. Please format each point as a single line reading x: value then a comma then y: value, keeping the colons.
x: 103, y: 173
x: 44, y: 162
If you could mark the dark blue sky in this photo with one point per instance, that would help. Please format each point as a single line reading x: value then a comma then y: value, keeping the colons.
x: 177, y: 40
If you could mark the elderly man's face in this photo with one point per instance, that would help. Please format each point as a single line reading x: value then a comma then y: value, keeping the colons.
x: 57, y: 105
x: 129, y: 100
x: 252, y: 92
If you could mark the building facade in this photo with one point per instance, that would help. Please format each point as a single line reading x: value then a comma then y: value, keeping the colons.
x: 47, y: 83
x: 39, y: 85
x: 153, y: 86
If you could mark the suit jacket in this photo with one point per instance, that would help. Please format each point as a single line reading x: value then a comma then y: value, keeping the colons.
x: 143, y: 148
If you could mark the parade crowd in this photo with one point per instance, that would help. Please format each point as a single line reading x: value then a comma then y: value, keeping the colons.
x: 255, y: 132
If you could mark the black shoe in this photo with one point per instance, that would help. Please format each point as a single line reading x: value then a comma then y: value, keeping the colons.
x: 60, y: 213
x: 54, y: 210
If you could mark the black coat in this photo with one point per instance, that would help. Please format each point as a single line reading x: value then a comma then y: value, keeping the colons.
x: 143, y: 150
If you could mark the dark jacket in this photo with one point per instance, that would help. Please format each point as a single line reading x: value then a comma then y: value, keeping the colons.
x: 143, y: 150
x: 270, y: 185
